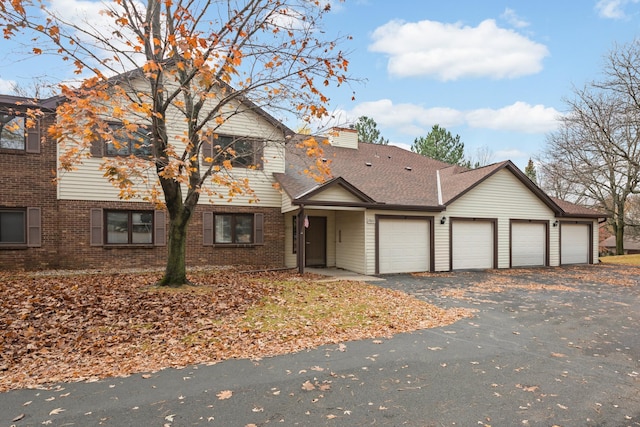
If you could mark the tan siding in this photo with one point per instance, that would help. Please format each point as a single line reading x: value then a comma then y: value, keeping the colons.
x: 88, y: 183
x: 350, y: 241
x: 504, y: 197
x: 335, y: 194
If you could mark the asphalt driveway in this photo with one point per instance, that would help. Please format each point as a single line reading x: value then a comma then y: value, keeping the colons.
x: 547, y: 347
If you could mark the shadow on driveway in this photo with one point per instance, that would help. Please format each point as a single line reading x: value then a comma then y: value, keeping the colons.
x: 556, y: 346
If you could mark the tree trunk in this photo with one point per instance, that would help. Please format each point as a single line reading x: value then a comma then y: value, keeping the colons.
x: 175, y: 273
x: 619, y: 240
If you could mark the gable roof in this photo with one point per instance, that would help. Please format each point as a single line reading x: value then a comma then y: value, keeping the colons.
x: 457, y: 182
x: 389, y: 177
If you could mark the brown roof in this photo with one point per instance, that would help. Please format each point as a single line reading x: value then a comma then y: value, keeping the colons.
x: 629, y: 242
x: 571, y: 209
x: 391, y: 177
x: 387, y: 174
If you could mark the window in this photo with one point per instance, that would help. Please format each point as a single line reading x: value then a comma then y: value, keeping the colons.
x: 12, y: 227
x: 129, y: 227
x: 233, y: 228
x: 12, y: 134
x: 136, y: 143
x: 242, y: 152
x: 20, y: 227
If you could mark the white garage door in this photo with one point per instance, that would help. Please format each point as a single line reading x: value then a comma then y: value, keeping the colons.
x: 472, y: 244
x: 403, y: 245
x: 574, y: 247
x: 528, y: 244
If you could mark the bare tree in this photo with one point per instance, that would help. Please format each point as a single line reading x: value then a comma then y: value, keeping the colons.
x: 594, y: 157
x: 192, y: 65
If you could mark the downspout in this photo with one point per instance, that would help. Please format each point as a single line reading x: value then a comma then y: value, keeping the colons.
x: 300, y: 240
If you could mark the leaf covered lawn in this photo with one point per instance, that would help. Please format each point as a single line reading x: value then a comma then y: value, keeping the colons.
x: 71, y: 327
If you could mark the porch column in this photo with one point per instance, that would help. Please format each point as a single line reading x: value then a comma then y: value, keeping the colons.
x: 300, y: 240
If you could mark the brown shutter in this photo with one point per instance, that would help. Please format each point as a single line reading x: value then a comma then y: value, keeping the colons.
x: 207, y: 228
x: 97, y: 147
x: 258, y: 229
x: 258, y: 154
x: 33, y: 138
x: 160, y: 228
x: 96, y: 232
x: 34, y: 227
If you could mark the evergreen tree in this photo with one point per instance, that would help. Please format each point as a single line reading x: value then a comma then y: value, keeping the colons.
x: 368, y: 131
x: 440, y: 144
x: 530, y: 171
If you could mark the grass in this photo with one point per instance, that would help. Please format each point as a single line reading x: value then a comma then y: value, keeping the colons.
x: 622, y: 259
x: 59, y: 327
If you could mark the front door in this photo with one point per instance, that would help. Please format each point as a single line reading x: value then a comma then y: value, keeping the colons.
x: 316, y: 242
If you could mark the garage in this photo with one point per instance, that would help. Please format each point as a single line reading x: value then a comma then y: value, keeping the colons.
x: 472, y: 244
x: 574, y: 243
x: 403, y: 245
x: 528, y: 244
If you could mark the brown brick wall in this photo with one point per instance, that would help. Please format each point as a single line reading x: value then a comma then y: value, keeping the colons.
x: 76, y: 251
x: 27, y: 181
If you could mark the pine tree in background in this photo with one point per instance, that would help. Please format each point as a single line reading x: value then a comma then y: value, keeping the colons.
x: 530, y: 171
x: 368, y: 131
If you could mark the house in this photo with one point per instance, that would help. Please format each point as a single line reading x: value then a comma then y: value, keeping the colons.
x: 384, y: 210
x: 388, y: 210
x: 631, y: 245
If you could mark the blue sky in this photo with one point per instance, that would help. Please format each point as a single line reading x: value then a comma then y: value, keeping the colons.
x: 494, y: 72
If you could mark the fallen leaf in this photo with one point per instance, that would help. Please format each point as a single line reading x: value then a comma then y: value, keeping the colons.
x: 56, y: 411
x: 18, y: 418
x: 331, y: 416
x: 225, y: 394
x: 170, y: 417
x: 308, y: 386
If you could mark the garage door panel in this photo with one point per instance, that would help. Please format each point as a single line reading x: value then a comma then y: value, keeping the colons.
x: 472, y: 245
x: 403, y: 245
x: 574, y: 246
x: 528, y: 244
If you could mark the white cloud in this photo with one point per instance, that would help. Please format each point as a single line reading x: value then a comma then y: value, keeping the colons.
x: 613, y: 9
x: 454, y: 51
x: 511, y: 153
x: 386, y: 113
x: 512, y: 18
x: 412, y: 119
x: 518, y: 117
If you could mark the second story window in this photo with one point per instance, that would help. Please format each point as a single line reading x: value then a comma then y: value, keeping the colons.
x: 127, y: 143
x: 242, y: 152
x: 12, y: 134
